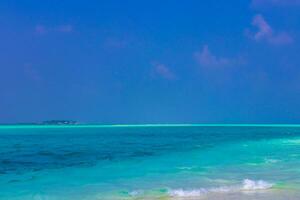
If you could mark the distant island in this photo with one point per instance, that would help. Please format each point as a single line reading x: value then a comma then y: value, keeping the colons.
x: 48, y: 122
x: 59, y: 122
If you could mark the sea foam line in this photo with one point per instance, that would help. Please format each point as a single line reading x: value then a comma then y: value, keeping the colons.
x: 247, y: 185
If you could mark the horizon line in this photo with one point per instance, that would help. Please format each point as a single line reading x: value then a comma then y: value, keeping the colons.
x: 95, y: 125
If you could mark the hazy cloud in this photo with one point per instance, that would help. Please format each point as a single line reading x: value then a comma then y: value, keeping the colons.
x: 207, y: 59
x: 264, y: 29
x: 266, y: 33
x: 40, y: 29
x: 164, y: 71
x: 281, y: 38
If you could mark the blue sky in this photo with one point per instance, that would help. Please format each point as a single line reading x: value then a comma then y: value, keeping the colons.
x: 150, y: 61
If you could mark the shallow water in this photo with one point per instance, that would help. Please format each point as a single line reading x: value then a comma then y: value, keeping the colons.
x: 149, y: 162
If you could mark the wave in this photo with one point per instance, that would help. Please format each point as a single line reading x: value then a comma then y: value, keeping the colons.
x: 256, y: 185
x: 247, y: 185
x: 136, y: 193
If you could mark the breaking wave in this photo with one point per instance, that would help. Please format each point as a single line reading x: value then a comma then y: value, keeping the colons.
x: 247, y: 185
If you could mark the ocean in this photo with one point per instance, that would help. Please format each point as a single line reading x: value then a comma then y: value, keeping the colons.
x: 151, y: 162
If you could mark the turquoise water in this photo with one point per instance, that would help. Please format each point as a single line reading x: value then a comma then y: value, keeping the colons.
x: 160, y: 162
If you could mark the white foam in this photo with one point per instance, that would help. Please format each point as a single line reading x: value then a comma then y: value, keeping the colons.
x: 198, y: 192
x: 256, y: 185
x: 221, y: 189
x: 185, y: 168
x: 271, y: 161
x: 136, y: 192
x: 247, y: 185
x: 187, y: 193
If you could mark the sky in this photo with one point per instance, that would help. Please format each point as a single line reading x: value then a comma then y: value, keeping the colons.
x: 118, y: 62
